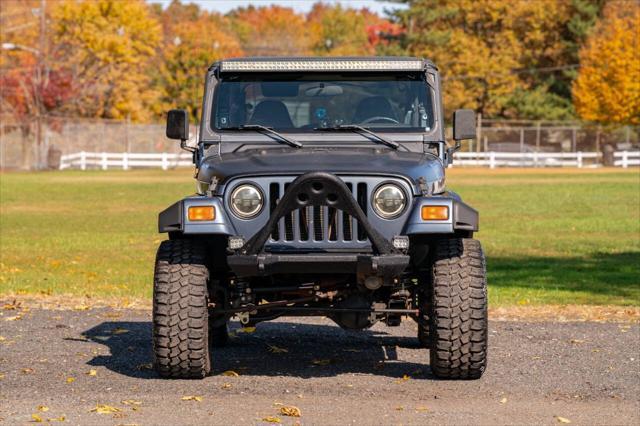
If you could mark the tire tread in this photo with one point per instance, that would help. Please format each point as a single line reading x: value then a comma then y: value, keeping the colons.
x: 180, y: 312
x: 458, y: 315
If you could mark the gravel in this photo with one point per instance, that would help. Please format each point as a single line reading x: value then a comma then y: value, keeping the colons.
x: 545, y: 373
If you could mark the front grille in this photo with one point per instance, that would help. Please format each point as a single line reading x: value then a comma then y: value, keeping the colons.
x: 318, y: 223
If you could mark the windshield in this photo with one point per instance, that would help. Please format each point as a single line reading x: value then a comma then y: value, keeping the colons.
x: 304, y: 102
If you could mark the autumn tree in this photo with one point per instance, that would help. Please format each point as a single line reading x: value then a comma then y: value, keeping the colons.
x: 34, y: 82
x: 108, y: 45
x: 501, y: 58
x: 607, y: 89
x: 338, y: 31
x: 194, y: 39
x: 270, y: 31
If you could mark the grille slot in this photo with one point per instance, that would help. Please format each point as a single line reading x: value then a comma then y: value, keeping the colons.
x: 318, y: 223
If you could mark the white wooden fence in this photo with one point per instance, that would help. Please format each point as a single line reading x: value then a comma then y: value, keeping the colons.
x: 527, y: 159
x: 107, y: 160
x: 626, y: 158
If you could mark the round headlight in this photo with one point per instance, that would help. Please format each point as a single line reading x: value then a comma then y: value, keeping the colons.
x: 388, y: 201
x: 246, y: 201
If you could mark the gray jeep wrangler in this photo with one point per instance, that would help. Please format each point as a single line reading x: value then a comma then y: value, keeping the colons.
x: 320, y: 191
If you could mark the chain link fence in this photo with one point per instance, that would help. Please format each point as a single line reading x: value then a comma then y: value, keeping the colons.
x: 22, y: 148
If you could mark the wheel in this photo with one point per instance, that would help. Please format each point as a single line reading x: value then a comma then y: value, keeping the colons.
x: 458, y: 315
x: 180, y: 313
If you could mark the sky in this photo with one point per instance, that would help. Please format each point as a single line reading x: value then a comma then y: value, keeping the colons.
x: 224, y: 6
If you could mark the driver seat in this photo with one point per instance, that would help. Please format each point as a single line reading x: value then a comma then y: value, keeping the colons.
x: 373, y: 106
x: 271, y: 113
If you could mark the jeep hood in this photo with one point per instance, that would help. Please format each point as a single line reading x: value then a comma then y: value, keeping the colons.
x: 418, y: 168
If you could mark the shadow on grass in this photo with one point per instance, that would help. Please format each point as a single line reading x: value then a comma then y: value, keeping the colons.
x: 313, y: 350
x: 602, y: 276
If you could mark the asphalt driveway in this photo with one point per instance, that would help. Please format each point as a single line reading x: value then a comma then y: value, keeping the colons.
x: 92, y: 367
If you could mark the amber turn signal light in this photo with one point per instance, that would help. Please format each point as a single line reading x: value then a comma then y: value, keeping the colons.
x: 435, y: 212
x: 202, y: 213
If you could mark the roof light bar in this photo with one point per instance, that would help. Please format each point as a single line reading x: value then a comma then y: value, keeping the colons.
x: 320, y: 65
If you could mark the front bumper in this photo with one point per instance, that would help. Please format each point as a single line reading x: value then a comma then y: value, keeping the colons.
x: 385, y: 265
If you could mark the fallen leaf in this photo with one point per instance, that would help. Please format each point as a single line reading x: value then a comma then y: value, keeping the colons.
x: 145, y: 366
x: 404, y: 379
x: 105, y: 409
x: 230, y: 373
x: 119, y: 330
x: 57, y: 419
x: 290, y: 410
x: 81, y: 307
x: 42, y: 408
x: 422, y: 409
x: 11, y: 306
x: 399, y: 408
x: 277, y: 350
x: 92, y: 372
x: 271, y: 419
x: 321, y: 362
x: 576, y: 341
x: 2, y: 338
x: 191, y: 398
x: 503, y: 401
x: 14, y: 318
x: 248, y: 330
x: 36, y: 418
x: 562, y: 419
x: 71, y: 379
x: 27, y: 371
x: 226, y: 386
x: 131, y: 402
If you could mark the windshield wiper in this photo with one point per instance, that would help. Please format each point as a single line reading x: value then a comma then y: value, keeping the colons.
x: 361, y: 130
x: 268, y: 130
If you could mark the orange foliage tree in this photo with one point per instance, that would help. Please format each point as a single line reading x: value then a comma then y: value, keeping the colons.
x: 193, y: 40
x: 489, y: 51
x: 108, y: 45
x: 607, y: 89
x: 338, y: 31
x: 270, y: 31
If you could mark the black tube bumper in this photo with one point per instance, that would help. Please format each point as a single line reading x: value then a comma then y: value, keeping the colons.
x: 384, y: 265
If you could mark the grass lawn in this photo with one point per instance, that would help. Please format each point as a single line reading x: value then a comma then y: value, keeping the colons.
x: 550, y: 236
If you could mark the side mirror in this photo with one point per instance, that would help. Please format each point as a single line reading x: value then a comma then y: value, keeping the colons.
x: 464, y: 124
x: 178, y: 124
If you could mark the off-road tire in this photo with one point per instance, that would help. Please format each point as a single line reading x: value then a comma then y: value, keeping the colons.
x: 180, y: 313
x: 458, y: 315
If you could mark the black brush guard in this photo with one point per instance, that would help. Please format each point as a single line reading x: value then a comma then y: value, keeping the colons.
x: 318, y: 189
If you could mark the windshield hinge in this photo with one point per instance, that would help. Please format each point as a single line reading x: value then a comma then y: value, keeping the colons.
x: 424, y: 187
x: 212, y: 186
